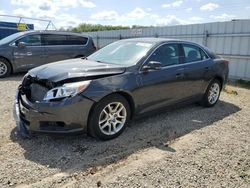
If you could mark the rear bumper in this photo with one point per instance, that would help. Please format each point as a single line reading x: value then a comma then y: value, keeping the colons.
x: 68, y: 115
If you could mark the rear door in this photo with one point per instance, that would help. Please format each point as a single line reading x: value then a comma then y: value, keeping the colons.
x: 197, y: 68
x: 31, y: 55
x: 78, y: 45
x: 56, y: 47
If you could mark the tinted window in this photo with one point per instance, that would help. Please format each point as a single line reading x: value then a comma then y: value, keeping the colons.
x: 76, y: 40
x: 167, y: 54
x: 54, y: 40
x: 193, y: 53
x: 31, y: 40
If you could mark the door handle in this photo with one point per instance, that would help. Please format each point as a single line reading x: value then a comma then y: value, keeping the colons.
x: 28, y: 53
x: 181, y: 69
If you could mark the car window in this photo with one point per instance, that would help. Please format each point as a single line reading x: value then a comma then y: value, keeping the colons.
x: 167, y: 54
x: 30, y: 40
x: 76, y: 40
x: 52, y: 39
x: 193, y: 53
x: 122, y: 52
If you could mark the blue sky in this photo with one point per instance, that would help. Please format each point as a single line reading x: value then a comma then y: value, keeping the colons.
x: 65, y: 13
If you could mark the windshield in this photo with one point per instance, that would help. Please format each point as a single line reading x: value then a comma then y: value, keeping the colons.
x: 10, y: 38
x: 122, y: 52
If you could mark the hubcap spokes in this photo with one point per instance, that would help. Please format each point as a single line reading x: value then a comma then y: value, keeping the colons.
x: 3, y: 68
x: 214, y: 92
x: 112, y: 118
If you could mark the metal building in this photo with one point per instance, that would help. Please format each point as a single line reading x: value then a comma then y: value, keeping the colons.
x: 229, y: 39
x: 9, y: 28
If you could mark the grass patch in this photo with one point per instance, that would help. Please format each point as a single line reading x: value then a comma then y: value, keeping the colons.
x: 243, y: 83
x: 230, y: 91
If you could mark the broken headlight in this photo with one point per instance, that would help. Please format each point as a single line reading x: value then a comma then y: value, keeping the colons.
x: 67, y: 90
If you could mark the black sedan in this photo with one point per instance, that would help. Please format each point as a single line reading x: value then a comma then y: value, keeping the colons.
x: 101, y: 93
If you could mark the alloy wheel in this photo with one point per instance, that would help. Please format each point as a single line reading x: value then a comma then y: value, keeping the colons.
x: 112, y: 118
x: 3, y: 68
x: 214, y: 93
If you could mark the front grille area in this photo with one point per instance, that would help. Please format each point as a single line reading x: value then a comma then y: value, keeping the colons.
x: 34, y: 88
x: 37, y: 92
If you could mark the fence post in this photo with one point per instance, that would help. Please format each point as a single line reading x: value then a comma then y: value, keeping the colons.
x: 97, y: 41
x: 120, y: 37
x: 206, y: 35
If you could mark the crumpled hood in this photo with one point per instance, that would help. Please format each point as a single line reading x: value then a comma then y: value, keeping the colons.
x: 74, y: 68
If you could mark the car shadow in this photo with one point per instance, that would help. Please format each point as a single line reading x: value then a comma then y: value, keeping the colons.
x: 75, y: 152
x: 13, y: 77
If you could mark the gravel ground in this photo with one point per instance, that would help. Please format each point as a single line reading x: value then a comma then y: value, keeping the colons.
x: 186, y: 147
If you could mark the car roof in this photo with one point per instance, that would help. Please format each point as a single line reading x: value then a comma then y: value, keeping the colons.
x: 153, y: 40
x: 162, y: 40
x: 53, y: 32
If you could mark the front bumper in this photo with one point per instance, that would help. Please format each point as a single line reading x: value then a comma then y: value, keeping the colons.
x: 68, y: 115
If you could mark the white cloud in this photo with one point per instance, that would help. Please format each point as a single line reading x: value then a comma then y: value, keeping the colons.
x: 66, y: 20
x: 137, y: 13
x: 169, y: 20
x: 57, y: 3
x: 51, y: 10
x: 105, y: 15
x: 44, y: 7
x: 87, y: 3
x: 2, y: 12
x: 189, y: 9
x: 209, y: 7
x: 223, y: 17
x: 22, y: 12
x: 173, y: 4
x: 195, y: 19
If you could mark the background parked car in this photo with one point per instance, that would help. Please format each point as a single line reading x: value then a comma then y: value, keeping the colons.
x: 25, y: 50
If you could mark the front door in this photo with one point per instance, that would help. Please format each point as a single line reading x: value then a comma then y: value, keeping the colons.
x: 30, y: 54
x: 165, y: 86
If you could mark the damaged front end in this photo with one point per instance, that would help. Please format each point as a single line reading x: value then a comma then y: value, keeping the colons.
x: 40, y: 105
x: 55, y: 105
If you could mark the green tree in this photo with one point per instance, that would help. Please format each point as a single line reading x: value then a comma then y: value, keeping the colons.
x: 95, y: 27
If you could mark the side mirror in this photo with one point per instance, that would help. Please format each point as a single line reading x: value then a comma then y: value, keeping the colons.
x: 21, y: 45
x: 152, y: 65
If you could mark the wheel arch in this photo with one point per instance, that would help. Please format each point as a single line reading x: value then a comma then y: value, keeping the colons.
x: 220, y: 79
x: 124, y: 94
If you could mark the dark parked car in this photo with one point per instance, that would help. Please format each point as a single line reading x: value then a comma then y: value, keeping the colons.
x: 101, y: 93
x: 25, y: 50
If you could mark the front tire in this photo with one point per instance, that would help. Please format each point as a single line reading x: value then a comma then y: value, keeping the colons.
x: 5, y: 68
x: 109, y: 117
x: 212, y: 94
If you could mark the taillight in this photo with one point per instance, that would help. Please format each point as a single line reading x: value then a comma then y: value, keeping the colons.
x: 226, y: 62
x: 93, y: 44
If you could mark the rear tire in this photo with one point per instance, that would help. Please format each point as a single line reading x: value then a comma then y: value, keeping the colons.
x: 109, y: 117
x: 212, y: 94
x: 5, y: 68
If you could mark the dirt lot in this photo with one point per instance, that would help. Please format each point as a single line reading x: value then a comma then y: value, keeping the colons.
x: 187, y: 147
